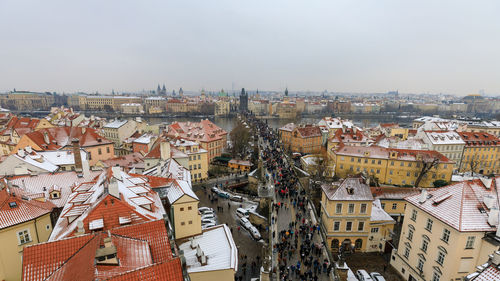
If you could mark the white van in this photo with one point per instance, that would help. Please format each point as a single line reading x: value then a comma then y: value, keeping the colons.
x: 240, y: 212
x: 363, y: 275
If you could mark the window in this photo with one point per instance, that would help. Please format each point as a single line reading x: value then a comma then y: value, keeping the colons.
x: 351, y: 208
x: 379, y: 162
x: 440, y: 258
x: 190, y: 208
x: 428, y: 226
x: 352, y: 159
x: 199, y: 157
x: 392, y: 163
x: 374, y: 230
x: 190, y: 167
x: 407, y: 252
x: 199, y: 166
x: 339, y: 208
x: 436, y: 276
x: 383, y: 205
x: 363, y: 208
x: 361, y: 225
x: 336, y: 226
x: 373, y: 161
x: 107, y: 149
x: 470, y: 242
x: 378, y: 171
x: 446, y: 235
x: 414, y: 215
x: 183, y: 223
x: 394, y: 206
x: 182, y: 209
x: 420, y: 265
x: 190, y: 222
x: 390, y: 172
x: 24, y: 237
x: 358, y: 243
x: 409, y: 164
x: 410, y: 234
x: 348, y: 226
x: 425, y: 244
x: 99, y: 151
x: 402, y: 164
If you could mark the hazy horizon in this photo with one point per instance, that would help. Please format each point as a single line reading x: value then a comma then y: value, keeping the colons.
x: 448, y: 47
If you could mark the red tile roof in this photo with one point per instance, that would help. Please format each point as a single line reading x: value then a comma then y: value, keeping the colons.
x: 203, y: 131
x: 143, y: 252
x: 309, y: 131
x: 15, y: 210
x: 60, y: 137
x: 479, y: 138
x: 23, y: 122
x: 379, y: 152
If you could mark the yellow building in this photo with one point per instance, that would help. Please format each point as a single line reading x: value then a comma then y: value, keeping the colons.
x: 22, y: 100
x: 22, y: 223
x: 447, y: 232
x: 392, y: 199
x: 197, y: 158
x: 222, y: 108
x: 481, y: 153
x: 239, y: 165
x: 392, y: 166
x: 305, y: 139
x: 353, y: 220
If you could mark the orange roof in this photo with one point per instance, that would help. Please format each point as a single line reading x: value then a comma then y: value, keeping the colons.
x: 309, y: 131
x: 23, y: 122
x: 203, y: 131
x: 61, y: 136
x: 479, y: 138
x: 15, y: 210
x: 142, y: 250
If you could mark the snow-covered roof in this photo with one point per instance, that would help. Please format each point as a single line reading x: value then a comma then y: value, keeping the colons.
x: 170, y: 169
x: 178, y: 188
x: 144, y: 139
x: 217, y: 245
x: 378, y: 214
x: 444, y: 137
x: 349, y: 189
x: 115, y: 124
x: 62, y: 157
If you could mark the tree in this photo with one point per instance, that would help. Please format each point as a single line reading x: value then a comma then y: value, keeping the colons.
x: 440, y: 183
x: 426, y: 162
x: 240, y: 136
x: 473, y: 164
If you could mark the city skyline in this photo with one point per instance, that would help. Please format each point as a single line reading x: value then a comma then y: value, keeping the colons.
x: 426, y: 47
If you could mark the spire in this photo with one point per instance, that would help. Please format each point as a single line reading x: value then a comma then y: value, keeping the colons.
x: 158, y: 90
x: 286, y: 92
x: 243, y: 92
x: 164, y: 90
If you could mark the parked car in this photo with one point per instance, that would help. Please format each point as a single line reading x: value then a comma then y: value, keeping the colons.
x: 208, y: 216
x: 242, y: 213
x: 203, y: 226
x: 363, y: 275
x: 245, y: 223
x: 236, y: 198
x: 207, y: 221
x: 205, y: 210
x: 377, y: 276
x: 223, y: 194
x: 255, y: 233
x: 215, y: 189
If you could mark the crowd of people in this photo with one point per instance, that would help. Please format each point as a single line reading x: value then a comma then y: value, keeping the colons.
x: 295, y: 242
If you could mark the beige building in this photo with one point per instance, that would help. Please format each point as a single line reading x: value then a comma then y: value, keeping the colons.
x: 448, y: 143
x: 117, y: 131
x: 352, y: 219
x: 449, y: 231
x: 222, y: 108
x: 23, y: 222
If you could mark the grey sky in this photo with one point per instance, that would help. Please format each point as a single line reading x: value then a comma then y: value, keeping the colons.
x: 352, y: 46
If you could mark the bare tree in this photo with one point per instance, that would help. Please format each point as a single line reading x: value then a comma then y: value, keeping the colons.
x: 473, y: 164
x: 426, y: 164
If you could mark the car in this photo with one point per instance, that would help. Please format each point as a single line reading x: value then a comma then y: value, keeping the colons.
x: 207, y: 213
x: 254, y: 232
x: 215, y: 189
x: 207, y: 221
x: 236, y: 198
x: 240, y: 212
x: 223, y: 194
x: 208, y: 216
x: 363, y: 275
x: 203, y: 226
x: 205, y: 209
x: 377, y: 276
x: 245, y: 223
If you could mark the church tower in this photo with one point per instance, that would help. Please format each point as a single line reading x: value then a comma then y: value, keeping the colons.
x: 243, y: 100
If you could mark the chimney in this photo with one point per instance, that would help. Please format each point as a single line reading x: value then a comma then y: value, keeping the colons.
x: 77, y: 155
x: 113, y: 188
x: 165, y: 150
x: 496, y: 258
x: 86, y: 170
x: 79, y: 225
x: 46, y: 137
x: 423, y: 196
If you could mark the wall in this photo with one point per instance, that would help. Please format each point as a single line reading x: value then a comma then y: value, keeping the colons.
x: 185, y: 216
x: 218, y: 275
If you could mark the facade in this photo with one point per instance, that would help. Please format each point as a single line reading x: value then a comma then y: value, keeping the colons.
x: 352, y: 219
x: 210, y: 137
x: 23, y: 222
x: 222, y: 108
x: 239, y: 165
x: 448, y: 143
x: 23, y: 100
x: 132, y: 108
x: 449, y: 231
x: 286, y: 110
x: 118, y: 130
x: 305, y: 139
x: 392, y: 166
x: 481, y: 153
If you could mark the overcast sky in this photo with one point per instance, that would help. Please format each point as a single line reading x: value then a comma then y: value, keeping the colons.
x: 344, y: 46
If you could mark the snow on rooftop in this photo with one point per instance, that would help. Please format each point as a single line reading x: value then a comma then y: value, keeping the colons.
x: 218, y: 246
x: 378, y: 214
x: 115, y: 124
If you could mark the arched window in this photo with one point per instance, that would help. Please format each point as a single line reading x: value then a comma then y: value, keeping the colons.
x: 358, y: 244
x: 335, y: 244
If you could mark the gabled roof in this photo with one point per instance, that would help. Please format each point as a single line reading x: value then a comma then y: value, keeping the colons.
x: 97, y: 202
x: 203, y: 131
x: 462, y: 205
x: 142, y: 250
x: 349, y: 189
x: 308, y: 131
x: 56, y: 138
x: 15, y: 210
